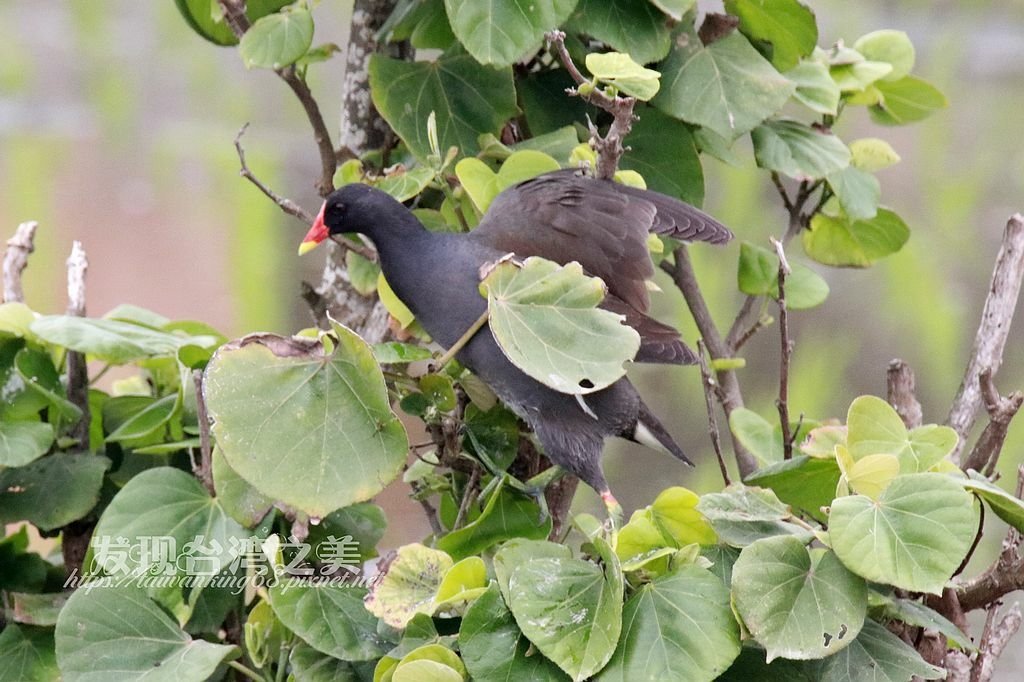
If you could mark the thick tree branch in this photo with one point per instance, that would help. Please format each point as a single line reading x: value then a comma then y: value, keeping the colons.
x: 1001, y: 412
x: 994, y: 639
x: 204, y: 470
x: 609, y: 146
x: 78, y: 373
x: 730, y: 396
x: 16, y: 259
x: 990, y: 339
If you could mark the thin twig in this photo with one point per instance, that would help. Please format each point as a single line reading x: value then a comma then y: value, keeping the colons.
x: 16, y: 258
x: 990, y: 339
x: 787, y: 352
x: 234, y: 15
x: 431, y: 513
x: 994, y: 641
x: 289, y: 206
x: 900, y: 384
x: 708, y: 383
x: 468, y: 496
x: 729, y: 393
x: 609, y: 146
x: 786, y: 201
x: 204, y: 471
x: 463, y: 340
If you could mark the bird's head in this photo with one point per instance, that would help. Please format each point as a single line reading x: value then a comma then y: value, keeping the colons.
x: 352, y: 208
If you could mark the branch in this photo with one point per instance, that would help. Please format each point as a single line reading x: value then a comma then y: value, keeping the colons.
x: 609, y: 147
x: 729, y: 388
x: 787, y: 353
x: 289, y: 206
x: 16, y: 258
x: 709, y: 387
x: 78, y: 373
x: 234, y: 15
x: 994, y: 640
x: 900, y: 384
x: 1001, y: 412
x: 204, y: 472
x: 990, y: 340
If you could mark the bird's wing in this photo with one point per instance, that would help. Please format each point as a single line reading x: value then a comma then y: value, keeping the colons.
x: 659, y: 343
x: 603, y: 225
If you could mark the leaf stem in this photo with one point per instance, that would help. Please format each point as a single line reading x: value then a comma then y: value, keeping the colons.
x: 463, y: 340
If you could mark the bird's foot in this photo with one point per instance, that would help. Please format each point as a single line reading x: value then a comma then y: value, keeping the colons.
x: 614, y: 522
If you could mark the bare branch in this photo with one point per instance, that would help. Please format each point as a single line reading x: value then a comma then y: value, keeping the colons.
x: 990, y: 339
x: 994, y: 639
x: 709, y: 387
x: 16, y: 258
x: 234, y: 15
x: 78, y: 373
x: 786, y: 352
x: 609, y: 147
x: 1001, y: 412
x: 900, y: 383
x: 729, y: 394
x: 204, y: 471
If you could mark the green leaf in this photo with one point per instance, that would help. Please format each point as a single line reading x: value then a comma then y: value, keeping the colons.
x: 517, y: 552
x: 36, y: 609
x: 858, y: 192
x: 872, y: 154
x: 242, y: 502
x: 726, y: 86
x: 96, y: 624
x: 787, y: 26
x: 467, y: 98
x: 678, y: 627
x: 504, y: 31
x: 396, y: 353
x: 672, y: 522
x: 874, y: 427
x: 545, y: 319
x: 15, y: 319
x: 570, y: 609
x: 674, y: 8
x: 815, y: 88
x: 278, y: 39
x: 662, y: 149
x: 166, y: 502
x: 844, y: 243
x: 797, y: 150
x: 857, y: 79
x: 361, y: 524
x: 23, y: 442
x: 889, y: 46
x: 913, y: 536
x: 330, y: 617
x: 409, y: 586
x: 626, y: 75
x: 52, y: 491
x: 285, y: 405
x: 758, y: 275
x: 147, y: 421
x: 877, y: 655
x: 741, y: 515
x: 309, y: 665
x: 112, y: 341
x: 917, y: 614
x: 545, y: 105
x: 751, y: 665
x: 39, y: 376
x: 362, y: 273
x: 805, y: 483
x: 1006, y: 506
x: 506, y: 515
x: 870, y: 475
x: 28, y: 656
x: 211, y: 25
x: 764, y: 440
x: 630, y: 26
x: 404, y: 184
x: 907, y: 100
x: 495, y: 650
x: 482, y: 184
x: 798, y: 603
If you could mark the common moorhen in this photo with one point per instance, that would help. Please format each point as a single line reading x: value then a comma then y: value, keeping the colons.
x: 562, y: 216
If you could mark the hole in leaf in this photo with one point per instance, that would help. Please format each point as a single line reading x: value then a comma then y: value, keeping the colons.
x: 586, y: 383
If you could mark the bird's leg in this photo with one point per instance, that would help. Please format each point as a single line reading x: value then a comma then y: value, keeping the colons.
x: 614, y: 521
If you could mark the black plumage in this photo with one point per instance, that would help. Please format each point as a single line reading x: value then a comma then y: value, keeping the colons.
x: 562, y: 216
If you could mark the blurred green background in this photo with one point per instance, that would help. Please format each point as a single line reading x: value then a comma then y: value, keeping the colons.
x: 116, y: 128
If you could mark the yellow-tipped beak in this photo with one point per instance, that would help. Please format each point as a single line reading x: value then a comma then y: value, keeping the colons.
x: 317, y: 233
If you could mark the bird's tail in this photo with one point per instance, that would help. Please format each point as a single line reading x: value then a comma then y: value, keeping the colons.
x: 650, y: 432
